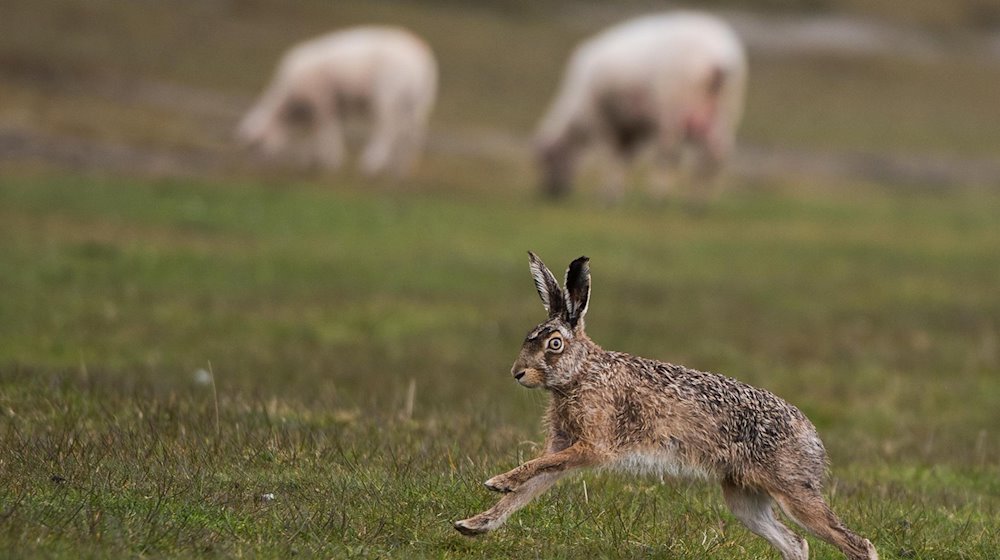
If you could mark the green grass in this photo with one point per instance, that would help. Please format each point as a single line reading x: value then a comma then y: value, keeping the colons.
x: 316, y: 307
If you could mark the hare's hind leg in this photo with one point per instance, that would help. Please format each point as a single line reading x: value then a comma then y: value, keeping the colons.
x: 807, y: 508
x: 754, y: 508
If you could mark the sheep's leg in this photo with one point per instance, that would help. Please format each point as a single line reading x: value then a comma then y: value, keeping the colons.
x: 711, y: 149
x: 615, y: 174
x: 414, y: 146
x: 408, y: 145
x: 668, y: 143
x: 706, y: 186
x: 415, y: 114
x: 329, y: 139
x: 667, y: 164
x: 378, y: 153
x: 387, y: 128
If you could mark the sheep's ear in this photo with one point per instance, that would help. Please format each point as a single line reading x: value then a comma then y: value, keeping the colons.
x: 548, y: 288
x: 577, y: 290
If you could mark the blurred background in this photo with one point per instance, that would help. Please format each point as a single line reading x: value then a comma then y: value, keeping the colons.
x: 901, y: 91
x: 180, y: 319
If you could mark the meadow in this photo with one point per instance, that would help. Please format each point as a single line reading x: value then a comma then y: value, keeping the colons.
x: 205, y: 357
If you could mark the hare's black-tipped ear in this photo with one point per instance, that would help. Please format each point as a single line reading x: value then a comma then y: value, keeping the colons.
x: 548, y: 288
x: 577, y: 290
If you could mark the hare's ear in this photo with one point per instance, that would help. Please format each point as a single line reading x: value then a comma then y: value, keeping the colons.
x: 577, y: 290
x: 548, y: 288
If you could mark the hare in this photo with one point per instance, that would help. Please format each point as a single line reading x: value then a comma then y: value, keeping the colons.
x: 611, y: 409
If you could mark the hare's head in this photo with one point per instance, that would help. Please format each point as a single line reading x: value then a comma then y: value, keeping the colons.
x: 553, y: 351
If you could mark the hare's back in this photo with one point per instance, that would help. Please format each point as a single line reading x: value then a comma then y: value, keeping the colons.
x: 716, y: 411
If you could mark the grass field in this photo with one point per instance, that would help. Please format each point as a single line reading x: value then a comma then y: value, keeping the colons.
x: 273, y: 364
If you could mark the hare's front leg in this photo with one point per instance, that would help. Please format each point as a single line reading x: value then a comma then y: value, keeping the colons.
x: 576, y: 455
x: 524, y: 483
x: 511, y: 502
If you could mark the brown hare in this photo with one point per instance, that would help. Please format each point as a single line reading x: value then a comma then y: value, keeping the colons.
x: 615, y: 410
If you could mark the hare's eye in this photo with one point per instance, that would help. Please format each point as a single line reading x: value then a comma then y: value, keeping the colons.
x: 555, y: 344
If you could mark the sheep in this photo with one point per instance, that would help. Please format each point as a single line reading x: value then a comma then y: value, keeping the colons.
x: 384, y: 73
x: 671, y: 80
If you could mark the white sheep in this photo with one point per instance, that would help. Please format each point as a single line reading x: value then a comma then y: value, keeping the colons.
x: 386, y: 74
x: 672, y: 80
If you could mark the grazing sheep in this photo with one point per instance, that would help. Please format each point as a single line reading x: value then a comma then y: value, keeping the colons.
x: 614, y: 410
x: 673, y: 80
x: 384, y: 73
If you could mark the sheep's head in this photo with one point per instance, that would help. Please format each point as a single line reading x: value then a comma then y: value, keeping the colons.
x: 553, y: 350
x: 555, y: 161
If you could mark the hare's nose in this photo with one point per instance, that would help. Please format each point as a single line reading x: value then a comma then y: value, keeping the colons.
x: 519, y: 375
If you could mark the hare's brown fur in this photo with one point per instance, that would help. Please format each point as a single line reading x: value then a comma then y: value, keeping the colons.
x: 610, y: 409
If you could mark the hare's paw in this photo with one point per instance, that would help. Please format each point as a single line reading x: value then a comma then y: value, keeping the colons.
x: 472, y: 526
x: 501, y: 483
